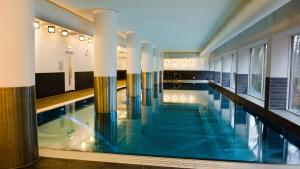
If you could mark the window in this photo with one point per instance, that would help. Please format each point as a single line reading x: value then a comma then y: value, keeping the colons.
x: 295, y: 76
x: 233, y: 70
x: 257, y: 69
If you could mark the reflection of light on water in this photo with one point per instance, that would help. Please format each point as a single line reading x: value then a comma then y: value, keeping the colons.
x: 179, y: 98
x: 83, y: 146
x: 92, y: 139
x: 122, y: 114
x: 293, y: 154
x: 253, y: 136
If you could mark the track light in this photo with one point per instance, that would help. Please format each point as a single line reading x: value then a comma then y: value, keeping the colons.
x: 81, y: 38
x: 64, y: 33
x: 51, y: 29
x: 90, y: 40
x: 36, y: 25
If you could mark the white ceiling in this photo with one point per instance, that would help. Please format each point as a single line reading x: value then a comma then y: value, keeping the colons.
x: 173, y: 25
x: 181, y: 25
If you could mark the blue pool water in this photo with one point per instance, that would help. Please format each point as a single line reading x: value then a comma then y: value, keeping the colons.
x: 198, y: 124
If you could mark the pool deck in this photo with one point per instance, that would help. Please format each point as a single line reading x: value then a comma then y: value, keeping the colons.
x: 48, y: 103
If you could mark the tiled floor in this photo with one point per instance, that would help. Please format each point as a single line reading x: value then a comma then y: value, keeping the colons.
x: 43, y: 103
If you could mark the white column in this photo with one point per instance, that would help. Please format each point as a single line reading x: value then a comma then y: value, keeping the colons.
x: 147, y: 65
x: 17, y: 43
x: 133, y: 64
x: 105, y: 60
x: 134, y: 46
x: 156, y: 59
x: 147, y: 61
x: 105, y: 43
x: 161, y: 70
x: 18, y: 131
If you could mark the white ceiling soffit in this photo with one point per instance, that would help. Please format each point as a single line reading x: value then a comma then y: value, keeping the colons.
x: 173, y: 25
x: 252, y: 13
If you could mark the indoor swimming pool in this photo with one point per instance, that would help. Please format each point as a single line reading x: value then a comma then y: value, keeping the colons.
x: 181, y: 123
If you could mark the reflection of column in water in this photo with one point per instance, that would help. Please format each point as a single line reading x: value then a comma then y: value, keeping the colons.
x: 210, y: 99
x: 155, y: 98
x: 240, y: 121
x: 225, y: 112
x: 134, y: 108
x: 133, y: 123
x: 217, y: 102
x: 155, y: 91
x: 147, y: 97
x: 70, y: 112
x: 106, y: 129
x: 146, y: 116
x: 155, y: 105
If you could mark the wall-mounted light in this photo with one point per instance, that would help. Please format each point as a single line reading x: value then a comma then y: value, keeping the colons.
x: 36, y: 25
x: 51, y: 29
x: 81, y: 38
x: 64, y: 33
x: 90, y: 40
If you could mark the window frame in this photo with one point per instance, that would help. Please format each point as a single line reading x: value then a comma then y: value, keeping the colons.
x: 265, y: 47
x: 233, y: 59
x: 291, y: 74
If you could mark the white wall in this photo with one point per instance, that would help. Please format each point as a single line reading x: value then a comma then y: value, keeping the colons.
x: 226, y: 68
x: 50, y: 51
x: 243, y: 61
x: 218, y: 65
x: 195, y: 64
x: 280, y: 55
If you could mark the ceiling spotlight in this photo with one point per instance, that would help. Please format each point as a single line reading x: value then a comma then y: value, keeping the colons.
x: 51, y: 29
x: 36, y: 25
x: 90, y: 40
x: 81, y: 38
x: 64, y: 33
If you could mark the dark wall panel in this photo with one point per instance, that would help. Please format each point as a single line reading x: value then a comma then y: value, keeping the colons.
x: 276, y: 93
x: 121, y: 74
x: 226, y: 79
x: 242, y: 83
x: 84, y: 80
x: 49, y: 84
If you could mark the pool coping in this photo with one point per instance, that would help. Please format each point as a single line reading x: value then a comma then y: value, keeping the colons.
x: 38, y: 111
x: 155, y: 161
x: 270, y: 115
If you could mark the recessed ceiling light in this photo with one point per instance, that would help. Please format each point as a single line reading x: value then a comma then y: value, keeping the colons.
x: 64, y: 33
x: 36, y: 25
x: 81, y: 38
x: 90, y: 40
x: 51, y: 29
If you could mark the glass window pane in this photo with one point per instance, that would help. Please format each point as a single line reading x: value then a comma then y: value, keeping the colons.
x: 233, y: 70
x: 295, y: 76
x: 256, y: 74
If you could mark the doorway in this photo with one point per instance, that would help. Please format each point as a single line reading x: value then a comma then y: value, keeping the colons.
x: 69, y: 72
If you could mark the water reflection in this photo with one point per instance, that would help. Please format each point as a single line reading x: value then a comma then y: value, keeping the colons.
x: 106, y: 129
x: 177, y: 123
x: 266, y: 145
x: 134, y: 108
